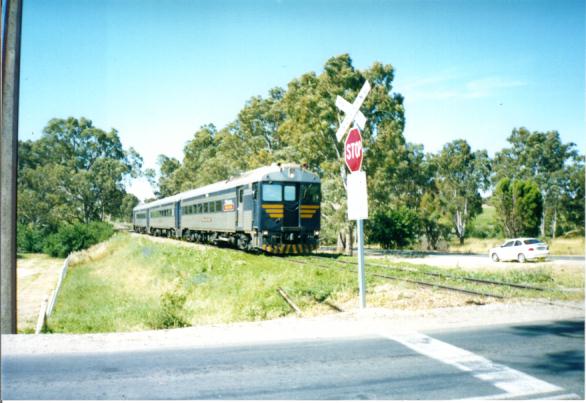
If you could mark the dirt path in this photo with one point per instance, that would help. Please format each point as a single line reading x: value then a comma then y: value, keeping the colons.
x: 37, y: 276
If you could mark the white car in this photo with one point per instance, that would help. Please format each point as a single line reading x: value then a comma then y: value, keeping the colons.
x: 520, y: 249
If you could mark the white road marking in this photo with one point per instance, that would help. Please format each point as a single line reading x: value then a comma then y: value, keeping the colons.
x: 514, y: 383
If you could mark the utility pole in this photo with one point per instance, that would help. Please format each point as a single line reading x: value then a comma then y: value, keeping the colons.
x: 11, y: 27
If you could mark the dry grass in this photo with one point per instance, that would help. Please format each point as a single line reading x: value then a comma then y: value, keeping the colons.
x: 570, y: 246
x: 558, y: 246
x: 474, y: 245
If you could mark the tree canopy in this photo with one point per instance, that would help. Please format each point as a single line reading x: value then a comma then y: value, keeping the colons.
x: 74, y: 173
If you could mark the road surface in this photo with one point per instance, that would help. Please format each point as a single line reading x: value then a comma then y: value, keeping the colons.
x: 537, y: 360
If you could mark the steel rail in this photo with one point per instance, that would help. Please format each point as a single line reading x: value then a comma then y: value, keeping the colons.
x: 477, y: 280
x: 432, y: 285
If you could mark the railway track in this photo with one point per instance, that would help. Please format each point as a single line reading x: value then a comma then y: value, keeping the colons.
x: 412, y: 281
x: 425, y: 283
x: 461, y: 278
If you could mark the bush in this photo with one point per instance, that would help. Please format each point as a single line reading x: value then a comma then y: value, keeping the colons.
x: 172, y: 313
x: 70, y: 238
x: 29, y: 238
x: 394, y: 228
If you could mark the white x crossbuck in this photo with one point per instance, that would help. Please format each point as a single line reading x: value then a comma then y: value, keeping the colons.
x: 352, y: 111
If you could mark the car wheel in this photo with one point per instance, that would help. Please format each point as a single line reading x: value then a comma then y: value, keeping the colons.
x: 495, y: 257
x: 521, y: 258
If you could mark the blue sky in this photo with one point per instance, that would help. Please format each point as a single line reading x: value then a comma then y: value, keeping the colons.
x: 158, y: 70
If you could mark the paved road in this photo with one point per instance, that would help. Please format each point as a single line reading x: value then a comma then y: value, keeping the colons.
x: 521, y: 361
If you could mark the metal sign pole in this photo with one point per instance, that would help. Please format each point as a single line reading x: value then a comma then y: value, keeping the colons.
x: 356, y: 181
x: 361, y: 273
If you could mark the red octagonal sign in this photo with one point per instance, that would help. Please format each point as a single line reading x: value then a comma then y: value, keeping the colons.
x: 353, y: 150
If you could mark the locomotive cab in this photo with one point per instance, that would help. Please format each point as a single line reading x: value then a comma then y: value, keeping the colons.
x: 288, y: 215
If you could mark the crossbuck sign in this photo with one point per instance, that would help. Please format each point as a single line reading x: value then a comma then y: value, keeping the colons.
x: 352, y: 111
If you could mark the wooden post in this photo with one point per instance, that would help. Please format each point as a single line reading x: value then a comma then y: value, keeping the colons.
x: 11, y: 25
x: 289, y: 301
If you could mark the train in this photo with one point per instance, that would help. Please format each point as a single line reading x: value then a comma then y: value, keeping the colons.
x: 275, y: 209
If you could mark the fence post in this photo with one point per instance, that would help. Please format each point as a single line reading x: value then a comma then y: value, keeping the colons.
x: 56, y: 291
x: 42, y: 317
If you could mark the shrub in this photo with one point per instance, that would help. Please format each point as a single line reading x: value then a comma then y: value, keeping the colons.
x: 172, y: 313
x: 393, y: 228
x: 29, y: 238
x: 70, y: 238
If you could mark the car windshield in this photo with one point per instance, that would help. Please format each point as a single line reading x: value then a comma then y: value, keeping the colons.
x: 531, y: 241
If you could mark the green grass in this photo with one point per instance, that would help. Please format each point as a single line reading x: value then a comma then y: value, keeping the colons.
x: 135, y: 283
x: 140, y: 284
x: 555, y: 281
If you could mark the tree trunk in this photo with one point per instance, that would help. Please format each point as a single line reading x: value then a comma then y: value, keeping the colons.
x: 340, y: 245
x: 542, y: 224
x: 349, y: 240
x: 554, y: 223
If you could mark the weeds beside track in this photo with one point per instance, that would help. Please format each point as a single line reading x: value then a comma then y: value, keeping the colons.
x: 466, y: 284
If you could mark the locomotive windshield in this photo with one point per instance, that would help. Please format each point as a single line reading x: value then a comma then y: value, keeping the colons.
x: 310, y: 193
x: 272, y: 192
x: 290, y: 194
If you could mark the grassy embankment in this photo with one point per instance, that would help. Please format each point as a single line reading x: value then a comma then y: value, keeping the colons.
x: 138, y: 283
x: 135, y: 283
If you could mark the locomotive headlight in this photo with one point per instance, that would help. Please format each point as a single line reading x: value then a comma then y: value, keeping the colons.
x: 316, y: 233
x: 265, y: 232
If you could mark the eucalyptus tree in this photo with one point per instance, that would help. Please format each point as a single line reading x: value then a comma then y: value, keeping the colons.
x: 544, y: 158
x: 74, y: 172
x: 308, y: 131
x: 519, y: 206
x: 298, y: 124
x: 461, y: 175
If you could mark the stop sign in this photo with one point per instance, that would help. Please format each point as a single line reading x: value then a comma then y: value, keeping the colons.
x: 353, y: 150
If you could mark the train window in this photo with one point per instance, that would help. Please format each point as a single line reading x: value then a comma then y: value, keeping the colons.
x: 205, y: 208
x: 290, y: 194
x: 240, y: 195
x: 271, y: 193
x: 218, y: 205
x: 310, y: 193
x: 199, y: 208
x: 212, y: 207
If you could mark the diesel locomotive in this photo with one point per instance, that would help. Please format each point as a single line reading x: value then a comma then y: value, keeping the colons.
x: 275, y: 209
